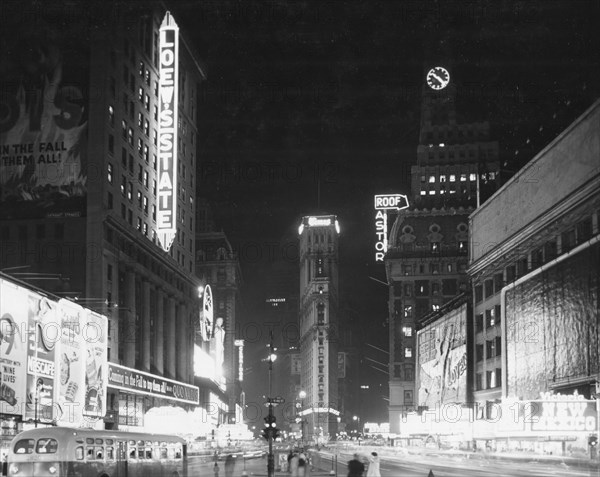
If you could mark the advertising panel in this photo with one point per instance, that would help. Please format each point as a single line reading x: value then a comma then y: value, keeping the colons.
x: 14, y: 322
x: 70, y: 364
x: 42, y: 341
x: 95, y: 335
x: 43, y: 125
x: 138, y: 382
x: 442, y: 360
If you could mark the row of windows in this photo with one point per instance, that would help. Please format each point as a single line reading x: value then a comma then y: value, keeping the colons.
x: 448, y: 287
x: 464, y: 177
x: 489, y: 319
x: 405, y: 372
x: 547, y: 252
x: 493, y: 349
x: 493, y: 379
x: 42, y: 231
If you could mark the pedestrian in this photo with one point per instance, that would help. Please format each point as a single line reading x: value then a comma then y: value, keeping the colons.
x: 294, y: 465
x: 229, y: 465
x: 302, y: 465
x: 216, y: 469
x: 355, y: 467
x: 373, y: 470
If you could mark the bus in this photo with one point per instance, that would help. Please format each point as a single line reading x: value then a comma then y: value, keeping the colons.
x: 70, y: 452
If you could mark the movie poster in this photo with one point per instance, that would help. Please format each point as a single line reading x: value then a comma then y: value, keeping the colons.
x: 43, y: 125
x: 43, y: 337
x: 96, y: 340
x: 70, y: 364
x: 13, y: 348
x: 442, y: 360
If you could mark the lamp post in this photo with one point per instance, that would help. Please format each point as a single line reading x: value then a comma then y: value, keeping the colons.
x: 357, y: 420
x: 302, y: 395
x: 271, y: 458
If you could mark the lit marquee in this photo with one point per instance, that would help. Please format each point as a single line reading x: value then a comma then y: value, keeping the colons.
x: 167, y: 132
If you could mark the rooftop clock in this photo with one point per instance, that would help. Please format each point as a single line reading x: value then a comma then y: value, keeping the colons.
x: 438, y: 78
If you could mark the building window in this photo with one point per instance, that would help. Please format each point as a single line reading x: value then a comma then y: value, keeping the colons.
x: 452, y: 178
x: 479, y: 322
x: 407, y: 269
x: 109, y: 172
x: 130, y: 136
x: 407, y: 330
x: 123, y: 185
x: 154, y: 213
x: 408, y: 352
x: 490, y: 320
x: 139, y: 223
x: 409, y: 374
x: 407, y: 311
x: 435, y: 307
x: 568, y: 240
x: 489, y: 288
x: 408, y: 398
x: 130, y: 191
x: 478, y: 353
x: 110, y: 201
x: 478, y: 293
x: 434, y: 247
x: 408, y: 289
x: 490, y: 349
x: 491, y: 379
x: 431, y: 179
x: 139, y: 199
x: 397, y: 371
x: 478, y: 381
x: 472, y: 176
x: 463, y: 177
x: 146, y: 179
x: 422, y: 288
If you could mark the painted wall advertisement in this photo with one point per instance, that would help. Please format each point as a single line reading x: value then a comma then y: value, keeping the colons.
x: 52, y: 359
x: 43, y: 125
x: 442, y: 360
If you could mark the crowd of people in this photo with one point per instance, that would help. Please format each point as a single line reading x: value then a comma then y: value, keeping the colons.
x: 356, y: 466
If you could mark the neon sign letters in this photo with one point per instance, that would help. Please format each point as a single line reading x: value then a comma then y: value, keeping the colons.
x: 166, y: 209
x: 383, y: 203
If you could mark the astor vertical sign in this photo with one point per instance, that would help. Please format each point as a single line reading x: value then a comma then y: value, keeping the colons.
x: 166, y: 209
x: 383, y: 203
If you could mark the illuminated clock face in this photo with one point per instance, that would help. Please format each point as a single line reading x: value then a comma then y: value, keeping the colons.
x: 438, y: 78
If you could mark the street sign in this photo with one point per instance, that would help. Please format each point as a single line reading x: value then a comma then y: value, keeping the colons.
x: 276, y: 400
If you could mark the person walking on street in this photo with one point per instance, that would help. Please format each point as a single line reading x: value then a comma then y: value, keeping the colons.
x: 373, y: 470
x: 355, y: 467
x: 229, y: 465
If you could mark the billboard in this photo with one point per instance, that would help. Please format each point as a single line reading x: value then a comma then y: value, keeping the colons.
x: 442, y: 360
x: 13, y: 348
x: 43, y: 123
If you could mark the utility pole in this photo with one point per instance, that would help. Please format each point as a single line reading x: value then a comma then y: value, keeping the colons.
x: 271, y: 458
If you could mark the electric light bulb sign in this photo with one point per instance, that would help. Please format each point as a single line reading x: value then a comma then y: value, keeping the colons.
x: 166, y: 209
x: 383, y: 203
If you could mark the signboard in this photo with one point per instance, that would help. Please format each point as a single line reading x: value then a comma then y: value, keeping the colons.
x: 14, y: 323
x: 341, y: 365
x: 442, y: 360
x: 95, y: 335
x: 138, y: 382
x: 383, y: 203
x: 43, y: 121
x: 319, y: 221
x: 168, y: 83
x: 206, y: 314
x: 562, y: 412
x: 43, y: 335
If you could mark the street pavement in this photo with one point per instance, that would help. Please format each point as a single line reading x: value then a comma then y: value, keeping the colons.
x: 411, y: 465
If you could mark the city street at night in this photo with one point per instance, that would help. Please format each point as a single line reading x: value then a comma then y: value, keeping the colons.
x: 237, y: 235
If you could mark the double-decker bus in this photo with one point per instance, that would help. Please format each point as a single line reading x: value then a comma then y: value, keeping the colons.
x: 70, y: 452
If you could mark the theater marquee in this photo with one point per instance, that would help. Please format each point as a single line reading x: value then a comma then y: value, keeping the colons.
x: 166, y: 209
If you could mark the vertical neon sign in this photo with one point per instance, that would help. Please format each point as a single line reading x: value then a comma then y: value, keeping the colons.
x: 168, y: 82
x: 383, y: 203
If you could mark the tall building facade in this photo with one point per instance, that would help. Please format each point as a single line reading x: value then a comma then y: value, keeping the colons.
x: 217, y: 265
x: 319, y: 324
x: 534, y: 261
x: 97, y: 179
x: 427, y: 257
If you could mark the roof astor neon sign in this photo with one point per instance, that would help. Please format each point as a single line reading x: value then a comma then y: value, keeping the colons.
x: 166, y: 210
x: 383, y: 203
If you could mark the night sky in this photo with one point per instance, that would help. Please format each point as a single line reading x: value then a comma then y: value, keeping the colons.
x: 314, y: 106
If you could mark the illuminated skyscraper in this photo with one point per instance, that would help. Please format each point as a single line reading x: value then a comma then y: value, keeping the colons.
x: 319, y: 324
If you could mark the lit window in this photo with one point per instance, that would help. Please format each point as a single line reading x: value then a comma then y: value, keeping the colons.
x: 129, y: 190
x: 431, y: 179
x: 423, y: 192
x: 431, y: 192
x: 472, y: 176
x: 452, y: 178
x: 130, y: 136
x: 140, y: 120
x: 111, y: 115
x: 407, y: 330
x: 435, y: 307
x: 408, y: 352
x: 110, y: 173
x: 141, y: 93
x: 443, y: 178
x: 492, y: 175
x: 463, y: 177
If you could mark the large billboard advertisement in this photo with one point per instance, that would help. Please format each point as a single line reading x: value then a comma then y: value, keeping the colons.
x: 442, y: 360
x: 53, y: 358
x: 551, y: 325
x: 43, y: 122
x: 13, y: 348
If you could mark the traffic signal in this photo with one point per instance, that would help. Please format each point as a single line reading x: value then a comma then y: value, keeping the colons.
x: 593, y: 441
x: 270, y: 430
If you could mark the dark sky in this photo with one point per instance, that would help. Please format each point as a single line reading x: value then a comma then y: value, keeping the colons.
x: 332, y: 89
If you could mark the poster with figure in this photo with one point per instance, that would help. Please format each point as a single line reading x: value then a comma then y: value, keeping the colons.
x: 95, y: 336
x: 13, y: 348
x: 218, y: 349
x: 43, y: 129
x: 70, y: 364
x: 442, y: 360
x: 43, y: 336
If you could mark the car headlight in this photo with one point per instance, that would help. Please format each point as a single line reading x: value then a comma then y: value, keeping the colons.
x: 52, y: 469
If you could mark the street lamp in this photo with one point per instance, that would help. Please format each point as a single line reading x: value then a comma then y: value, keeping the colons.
x: 302, y: 395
